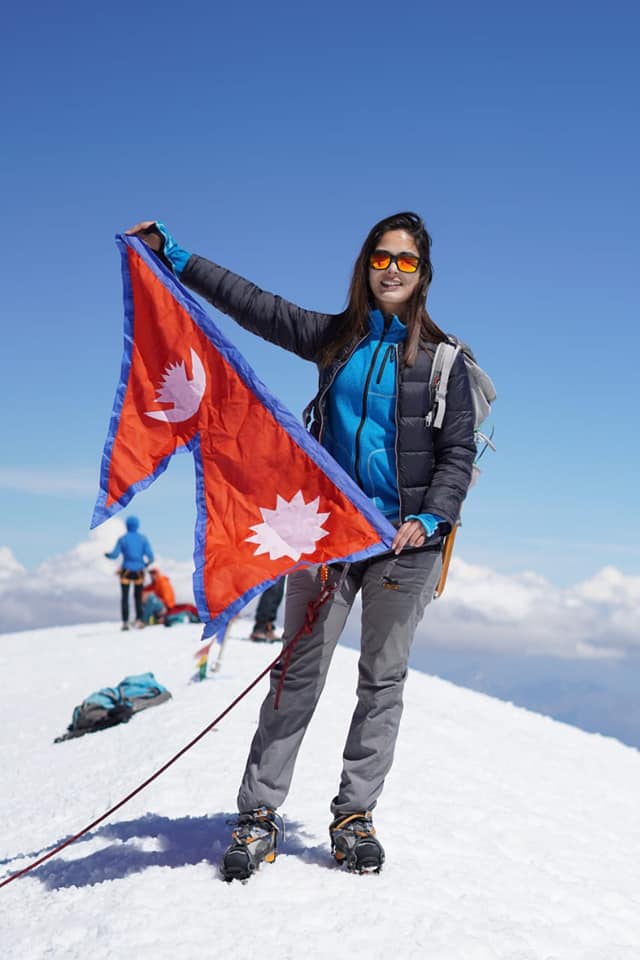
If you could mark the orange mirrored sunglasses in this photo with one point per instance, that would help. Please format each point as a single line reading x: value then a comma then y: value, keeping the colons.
x: 405, y: 262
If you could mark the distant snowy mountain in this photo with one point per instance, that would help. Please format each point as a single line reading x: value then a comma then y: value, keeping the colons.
x: 599, y: 696
x: 508, y: 836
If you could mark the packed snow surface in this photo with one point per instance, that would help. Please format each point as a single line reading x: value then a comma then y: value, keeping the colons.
x: 508, y: 836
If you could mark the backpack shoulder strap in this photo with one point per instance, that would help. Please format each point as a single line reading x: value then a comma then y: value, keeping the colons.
x: 443, y: 361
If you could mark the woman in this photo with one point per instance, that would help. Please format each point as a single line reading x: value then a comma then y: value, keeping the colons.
x: 374, y: 361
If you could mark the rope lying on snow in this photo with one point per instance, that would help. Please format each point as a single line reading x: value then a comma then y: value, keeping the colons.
x: 285, y: 655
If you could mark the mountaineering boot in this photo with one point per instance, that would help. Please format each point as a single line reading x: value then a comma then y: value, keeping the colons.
x: 264, y: 634
x: 255, y: 839
x: 354, y: 843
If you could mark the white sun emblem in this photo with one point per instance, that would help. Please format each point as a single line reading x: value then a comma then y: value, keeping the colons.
x: 176, y: 388
x: 293, y: 528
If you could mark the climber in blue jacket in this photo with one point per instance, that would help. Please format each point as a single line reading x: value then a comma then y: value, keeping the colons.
x: 136, y: 556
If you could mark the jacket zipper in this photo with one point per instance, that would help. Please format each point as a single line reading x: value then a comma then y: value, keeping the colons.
x: 365, y: 395
x: 387, y: 355
x: 395, y: 443
x: 320, y: 398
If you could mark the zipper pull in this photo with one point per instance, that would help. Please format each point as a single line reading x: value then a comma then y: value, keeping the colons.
x: 389, y: 353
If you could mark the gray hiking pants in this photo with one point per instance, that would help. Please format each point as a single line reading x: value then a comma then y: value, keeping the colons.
x: 395, y: 593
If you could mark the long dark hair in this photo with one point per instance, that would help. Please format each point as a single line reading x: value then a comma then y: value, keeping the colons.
x: 421, y: 328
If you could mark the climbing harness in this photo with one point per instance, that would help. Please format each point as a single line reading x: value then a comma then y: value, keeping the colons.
x: 327, y: 590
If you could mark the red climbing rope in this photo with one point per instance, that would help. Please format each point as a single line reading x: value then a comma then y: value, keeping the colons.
x: 94, y: 823
x: 311, y: 616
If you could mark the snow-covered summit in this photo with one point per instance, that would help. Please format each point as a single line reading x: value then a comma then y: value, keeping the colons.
x: 508, y: 836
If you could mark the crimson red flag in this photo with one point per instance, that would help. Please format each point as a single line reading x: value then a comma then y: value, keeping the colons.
x: 269, y: 497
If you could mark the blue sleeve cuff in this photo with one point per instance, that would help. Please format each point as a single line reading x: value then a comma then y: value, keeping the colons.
x: 175, y: 254
x: 429, y: 521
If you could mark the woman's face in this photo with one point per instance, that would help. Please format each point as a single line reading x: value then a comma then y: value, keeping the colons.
x: 391, y: 288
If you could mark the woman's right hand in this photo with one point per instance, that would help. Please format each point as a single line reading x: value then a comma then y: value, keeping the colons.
x: 157, y: 237
x: 146, y: 230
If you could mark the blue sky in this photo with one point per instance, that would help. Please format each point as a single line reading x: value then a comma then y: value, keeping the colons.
x: 270, y: 138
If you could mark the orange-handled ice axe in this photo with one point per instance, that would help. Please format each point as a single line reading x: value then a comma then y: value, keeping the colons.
x: 446, y: 560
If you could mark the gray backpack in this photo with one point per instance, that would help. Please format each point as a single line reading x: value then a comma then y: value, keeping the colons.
x: 483, y: 392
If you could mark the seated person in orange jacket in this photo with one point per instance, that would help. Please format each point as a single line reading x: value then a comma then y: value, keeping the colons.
x: 158, y: 596
x: 161, y: 586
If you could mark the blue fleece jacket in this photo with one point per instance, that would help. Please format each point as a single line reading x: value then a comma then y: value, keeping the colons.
x: 361, y: 418
x: 134, y: 547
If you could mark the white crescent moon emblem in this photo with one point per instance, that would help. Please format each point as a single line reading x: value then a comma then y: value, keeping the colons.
x: 185, y: 395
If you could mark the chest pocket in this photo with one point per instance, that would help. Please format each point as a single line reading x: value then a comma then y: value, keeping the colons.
x: 384, y: 383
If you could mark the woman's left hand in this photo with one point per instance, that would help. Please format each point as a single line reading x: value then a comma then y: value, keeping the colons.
x: 410, y: 534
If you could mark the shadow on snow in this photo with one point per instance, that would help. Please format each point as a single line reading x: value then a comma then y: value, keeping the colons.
x: 169, y: 843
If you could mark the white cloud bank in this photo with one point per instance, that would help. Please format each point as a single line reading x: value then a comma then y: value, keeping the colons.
x: 9, y: 566
x: 525, y: 614
x: 481, y: 610
x: 75, y: 587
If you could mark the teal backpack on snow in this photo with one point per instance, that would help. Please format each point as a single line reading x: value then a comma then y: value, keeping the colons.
x: 112, y: 705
